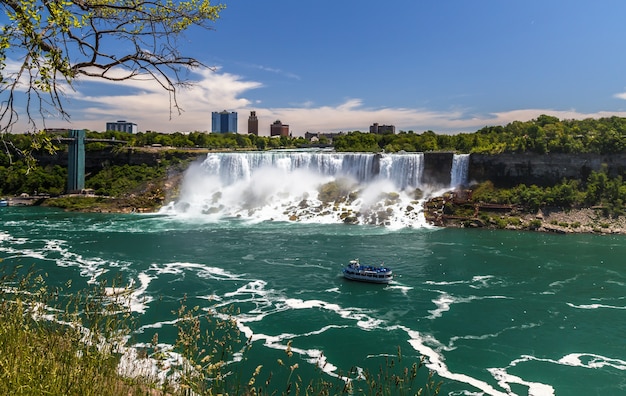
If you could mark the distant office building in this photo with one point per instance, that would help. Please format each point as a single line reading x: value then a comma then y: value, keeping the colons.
x: 382, y: 129
x: 279, y: 129
x: 122, y: 126
x: 224, y: 122
x: 253, y: 124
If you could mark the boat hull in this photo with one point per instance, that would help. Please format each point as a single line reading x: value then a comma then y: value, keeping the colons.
x: 361, y: 278
x: 367, y: 273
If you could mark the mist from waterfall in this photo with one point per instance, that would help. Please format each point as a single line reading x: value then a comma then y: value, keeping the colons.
x: 315, y: 187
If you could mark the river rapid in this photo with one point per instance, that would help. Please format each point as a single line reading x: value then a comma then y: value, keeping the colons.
x: 492, y: 312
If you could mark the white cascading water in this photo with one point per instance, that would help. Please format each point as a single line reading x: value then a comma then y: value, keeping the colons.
x: 458, y: 173
x: 315, y: 187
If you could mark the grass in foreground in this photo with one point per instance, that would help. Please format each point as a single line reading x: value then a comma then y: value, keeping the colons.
x: 61, y: 343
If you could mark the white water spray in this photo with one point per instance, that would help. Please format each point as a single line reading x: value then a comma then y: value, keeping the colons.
x: 315, y: 187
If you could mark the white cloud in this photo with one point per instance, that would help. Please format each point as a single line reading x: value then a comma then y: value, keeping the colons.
x: 148, y: 105
x: 620, y: 95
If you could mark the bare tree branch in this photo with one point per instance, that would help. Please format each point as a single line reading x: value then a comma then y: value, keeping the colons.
x: 51, y: 43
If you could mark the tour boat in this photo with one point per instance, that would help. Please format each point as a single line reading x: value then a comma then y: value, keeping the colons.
x: 3, y: 202
x: 367, y: 273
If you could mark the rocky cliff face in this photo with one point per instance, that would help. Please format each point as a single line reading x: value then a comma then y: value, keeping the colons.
x: 543, y: 170
x: 502, y: 169
x: 437, y: 167
x: 96, y: 160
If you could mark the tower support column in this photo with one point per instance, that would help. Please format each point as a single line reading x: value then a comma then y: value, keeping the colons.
x: 76, y: 161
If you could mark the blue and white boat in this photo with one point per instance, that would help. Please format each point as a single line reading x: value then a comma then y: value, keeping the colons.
x: 3, y: 202
x: 367, y: 273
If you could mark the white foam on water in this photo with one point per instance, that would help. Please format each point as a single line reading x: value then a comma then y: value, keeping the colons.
x: 8, y: 245
x: 201, y: 270
x: 594, y: 306
x: 362, y: 319
x: 436, y: 363
x: 564, y: 282
x: 56, y: 251
x: 534, y: 388
x: 452, y: 343
x: 443, y: 305
x: 481, y: 281
x: 396, y: 286
x: 584, y: 360
x: 157, y: 325
x: 134, y: 298
x: 477, y: 282
x: 445, y: 283
x: 255, y: 287
x: 445, y: 301
x: 593, y: 361
x: 4, y: 236
x: 158, y: 370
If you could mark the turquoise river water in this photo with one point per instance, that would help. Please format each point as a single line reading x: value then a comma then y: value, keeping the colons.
x: 494, y: 312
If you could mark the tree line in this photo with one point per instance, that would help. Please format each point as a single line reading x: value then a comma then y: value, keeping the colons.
x: 543, y: 135
x: 213, y: 141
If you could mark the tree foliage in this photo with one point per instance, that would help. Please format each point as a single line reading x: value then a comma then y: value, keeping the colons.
x: 544, y: 135
x: 597, y: 190
x: 46, y: 45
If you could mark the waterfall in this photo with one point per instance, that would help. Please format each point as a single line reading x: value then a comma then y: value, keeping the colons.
x: 307, y: 186
x: 403, y: 170
x: 459, y: 170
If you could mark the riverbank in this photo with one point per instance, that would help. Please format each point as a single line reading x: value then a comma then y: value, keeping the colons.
x: 452, y: 209
x: 552, y: 220
x: 149, y: 197
x: 446, y: 212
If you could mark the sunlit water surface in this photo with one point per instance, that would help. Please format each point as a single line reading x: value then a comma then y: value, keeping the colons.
x: 493, y: 312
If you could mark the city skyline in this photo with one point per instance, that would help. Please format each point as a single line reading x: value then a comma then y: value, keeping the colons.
x: 450, y: 67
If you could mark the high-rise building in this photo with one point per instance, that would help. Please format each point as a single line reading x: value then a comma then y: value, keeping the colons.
x: 224, y: 122
x: 122, y: 126
x: 253, y: 123
x: 279, y: 129
x: 382, y: 129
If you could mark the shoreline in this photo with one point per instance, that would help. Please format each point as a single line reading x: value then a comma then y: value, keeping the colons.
x: 549, y: 220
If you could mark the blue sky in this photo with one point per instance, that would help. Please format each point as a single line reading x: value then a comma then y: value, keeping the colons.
x: 449, y: 66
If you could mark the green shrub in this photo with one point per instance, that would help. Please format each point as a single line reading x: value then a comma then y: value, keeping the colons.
x: 516, y: 221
